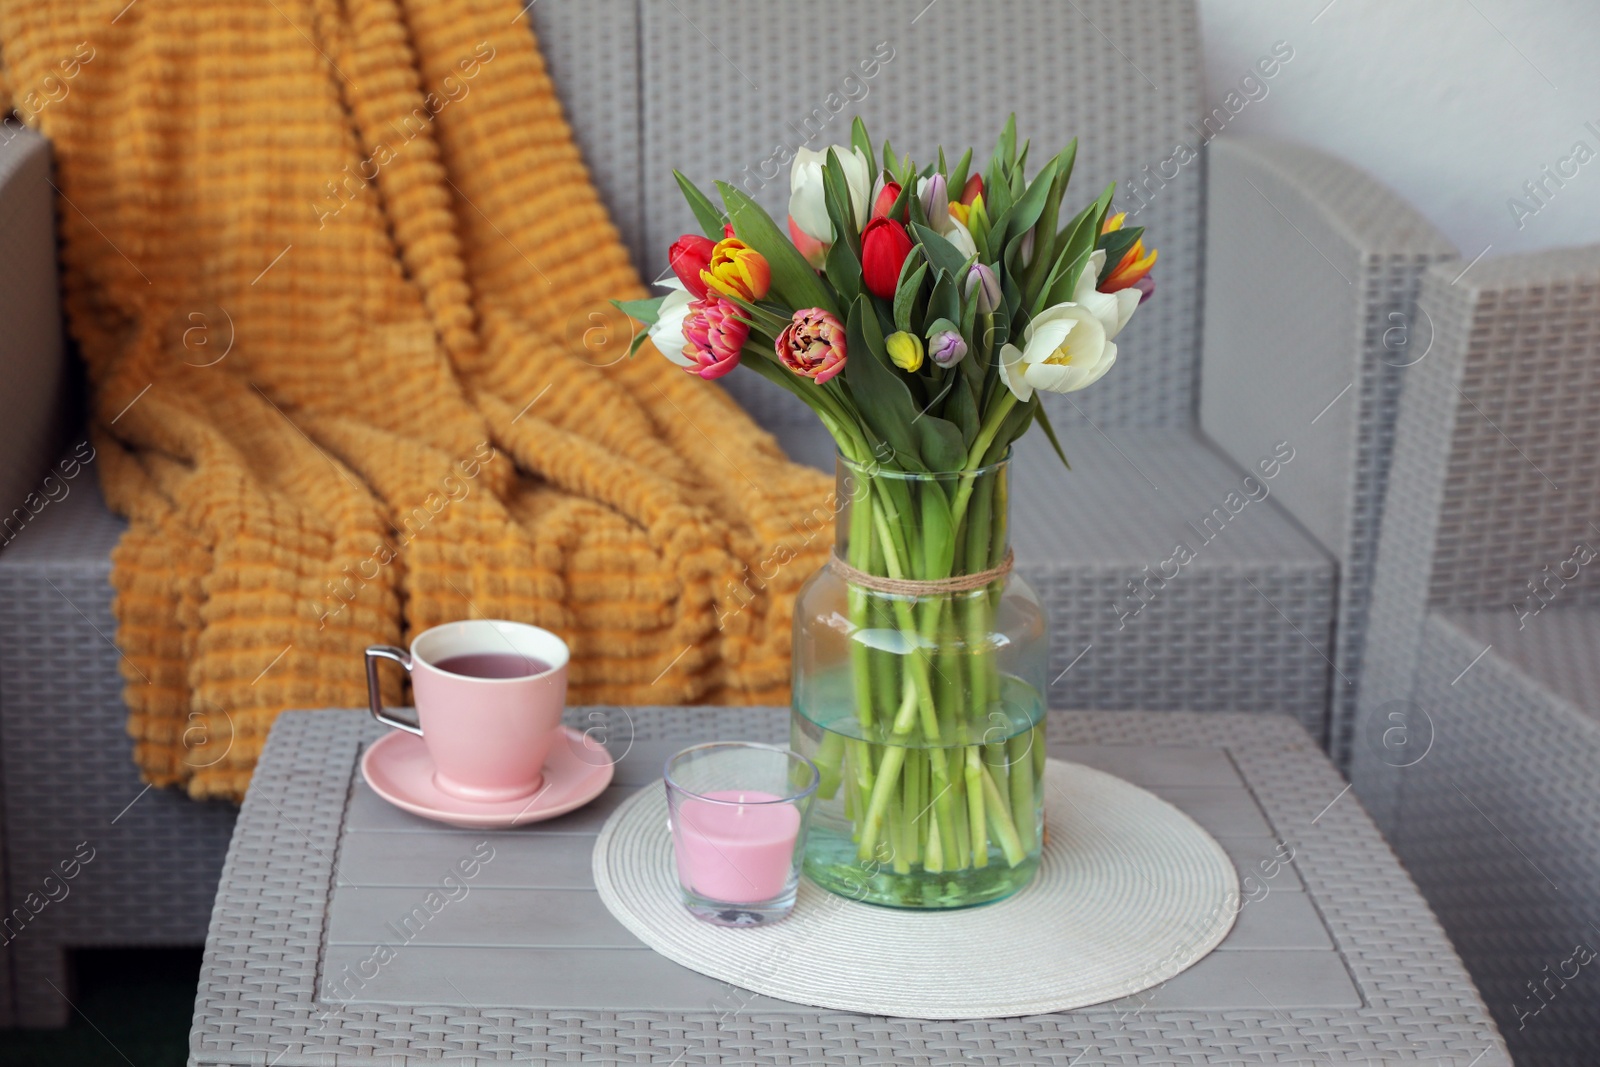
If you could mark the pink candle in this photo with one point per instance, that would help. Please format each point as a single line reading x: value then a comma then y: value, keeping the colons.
x: 739, y: 853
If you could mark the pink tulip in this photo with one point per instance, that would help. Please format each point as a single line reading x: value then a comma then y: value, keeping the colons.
x: 812, y: 345
x: 715, y: 335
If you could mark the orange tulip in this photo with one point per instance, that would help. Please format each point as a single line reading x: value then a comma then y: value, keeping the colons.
x: 1133, y: 266
x: 737, y: 270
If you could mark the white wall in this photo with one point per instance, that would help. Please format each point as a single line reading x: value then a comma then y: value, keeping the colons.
x: 1454, y: 104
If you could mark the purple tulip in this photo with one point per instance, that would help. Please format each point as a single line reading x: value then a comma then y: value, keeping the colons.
x: 1146, y: 287
x: 947, y: 348
x: 1025, y: 249
x: 935, y: 196
x: 982, y: 281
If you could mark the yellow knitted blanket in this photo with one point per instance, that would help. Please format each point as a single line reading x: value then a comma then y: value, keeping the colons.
x: 340, y: 278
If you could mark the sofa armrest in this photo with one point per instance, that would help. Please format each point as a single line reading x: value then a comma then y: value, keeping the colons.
x: 1312, y: 274
x: 1312, y: 271
x: 32, y: 352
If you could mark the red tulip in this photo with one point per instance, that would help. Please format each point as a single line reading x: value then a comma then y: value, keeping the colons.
x: 884, y: 248
x: 727, y: 229
x: 886, y: 198
x: 972, y: 190
x: 689, y: 255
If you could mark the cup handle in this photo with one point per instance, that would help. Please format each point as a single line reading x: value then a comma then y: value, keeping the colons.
x: 374, y: 699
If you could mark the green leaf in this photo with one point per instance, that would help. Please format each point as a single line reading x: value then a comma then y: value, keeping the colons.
x: 1066, y: 282
x: 915, y: 216
x: 889, y: 161
x: 1080, y: 240
x: 1003, y: 315
x: 1044, y: 230
x: 945, y: 302
x: 997, y: 200
x: 978, y: 226
x: 705, y: 212
x: 1026, y: 211
x: 902, y: 203
x: 878, y: 388
x: 997, y: 179
x: 638, y: 339
x: 763, y: 319
x: 935, y: 525
x: 860, y: 140
x: 1043, y: 419
x: 969, y: 317
x: 939, y: 443
x: 906, y: 293
x: 836, y: 192
x: 963, y: 408
x: 1011, y: 428
x: 647, y: 311
x: 844, y: 271
x: 958, y: 177
x: 793, y: 280
x: 1068, y: 156
x: 941, y: 253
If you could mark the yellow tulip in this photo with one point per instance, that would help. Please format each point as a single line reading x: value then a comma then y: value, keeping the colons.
x: 737, y: 270
x: 905, y: 350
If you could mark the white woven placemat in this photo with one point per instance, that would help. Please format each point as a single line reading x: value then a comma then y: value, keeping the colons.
x: 1131, y: 891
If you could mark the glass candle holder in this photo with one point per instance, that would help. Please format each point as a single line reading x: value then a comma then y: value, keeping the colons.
x: 738, y: 816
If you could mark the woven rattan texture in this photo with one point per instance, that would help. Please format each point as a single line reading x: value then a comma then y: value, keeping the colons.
x: 1430, y: 407
x: 1347, y: 257
x: 1499, y: 822
x: 1525, y: 455
x: 1124, y: 80
x: 256, y: 1002
x: 69, y: 776
x: 1244, y: 625
x: 1481, y: 655
x: 1556, y: 647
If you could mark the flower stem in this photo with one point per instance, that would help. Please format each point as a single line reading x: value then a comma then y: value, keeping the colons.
x: 1000, y: 818
x: 980, y: 448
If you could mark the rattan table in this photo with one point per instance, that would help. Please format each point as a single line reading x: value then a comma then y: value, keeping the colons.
x: 347, y: 932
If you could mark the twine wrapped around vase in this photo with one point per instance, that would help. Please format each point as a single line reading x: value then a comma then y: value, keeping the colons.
x: 961, y: 583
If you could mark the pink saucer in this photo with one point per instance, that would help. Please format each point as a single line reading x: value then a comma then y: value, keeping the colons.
x: 399, y: 769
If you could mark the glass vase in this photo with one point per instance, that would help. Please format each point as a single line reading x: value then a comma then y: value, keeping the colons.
x: 918, y: 691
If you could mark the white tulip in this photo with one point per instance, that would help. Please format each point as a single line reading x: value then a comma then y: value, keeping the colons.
x: 961, y: 237
x: 808, y: 204
x: 666, y: 333
x: 1064, y: 349
x: 1112, y: 309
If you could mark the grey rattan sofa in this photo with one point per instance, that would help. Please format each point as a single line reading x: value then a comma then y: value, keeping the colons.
x: 1478, y: 736
x: 1248, y: 624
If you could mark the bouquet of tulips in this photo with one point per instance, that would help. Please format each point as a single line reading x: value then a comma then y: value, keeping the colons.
x: 919, y: 311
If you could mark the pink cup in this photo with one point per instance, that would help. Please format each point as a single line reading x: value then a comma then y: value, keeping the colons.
x: 489, y: 699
